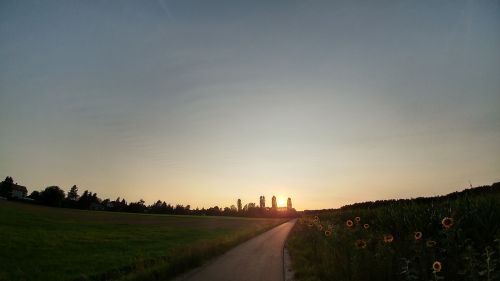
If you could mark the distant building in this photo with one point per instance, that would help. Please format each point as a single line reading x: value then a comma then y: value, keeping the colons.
x: 289, y: 204
x: 274, y: 205
x: 262, y: 202
x: 96, y: 207
x: 19, y: 191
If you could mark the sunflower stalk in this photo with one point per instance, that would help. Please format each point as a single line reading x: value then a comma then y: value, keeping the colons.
x: 489, y: 265
x: 406, y: 271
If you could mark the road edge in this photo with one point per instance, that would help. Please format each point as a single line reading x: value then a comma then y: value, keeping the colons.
x: 288, y: 273
x: 185, y: 275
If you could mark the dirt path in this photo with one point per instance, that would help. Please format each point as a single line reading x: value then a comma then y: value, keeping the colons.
x: 258, y: 259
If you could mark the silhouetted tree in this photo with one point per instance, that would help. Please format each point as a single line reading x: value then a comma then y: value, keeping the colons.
x: 254, y: 211
x: 6, y: 187
x: 137, y: 207
x: 179, y: 209
x: 52, y: 196
x: 106, y: 203
x: 239, y: 205
x: 214, y: 211
x: 161, y: 208
x: 156, y: 207
x: 73, y: 193
x: 35, y: 195
x: 87, y: 200
x: 229, y: 211
x: 118, y: 205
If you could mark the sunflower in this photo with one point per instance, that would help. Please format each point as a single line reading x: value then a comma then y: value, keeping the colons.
x: 320, y: 227
x: 328, y: 233
x: 388, y: 238
x: 437, y: 266
x: 417, y: 235
x: 316, y: 219
x: 430, y: 243
x: 447, y: 222
x: 366, y: 226
x: 349, y: 223
x: 310, y: 224
x: 360, y: 244
x: 357, y: 219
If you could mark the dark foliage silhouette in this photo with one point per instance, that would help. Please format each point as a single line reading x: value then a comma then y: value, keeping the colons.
x: 73, y: 193
x: 52, y: 196
x: 6, y: 187
x: 55, y: 196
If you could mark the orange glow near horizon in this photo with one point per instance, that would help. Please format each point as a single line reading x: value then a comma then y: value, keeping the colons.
x: 326, y: 115
x: 281, y: 201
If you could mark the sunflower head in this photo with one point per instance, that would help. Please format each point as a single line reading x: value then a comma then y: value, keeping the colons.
x: 388, y: 238
x: 320, y: 227
x: 430, y: 243
x: 447, y: 222
x: 360, y: 244
x: 366, y: 226
x: 417, y: 235
x: 316, y: 219
x: 436, y: 266
x: 349, y: 223
x: 328, y: 233
x: 357, y: 219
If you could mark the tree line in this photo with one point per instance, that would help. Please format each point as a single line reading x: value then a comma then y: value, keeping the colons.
x: 54, y: 196
x: 488, y: 190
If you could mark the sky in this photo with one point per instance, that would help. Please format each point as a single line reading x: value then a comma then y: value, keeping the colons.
x: 204, y: 102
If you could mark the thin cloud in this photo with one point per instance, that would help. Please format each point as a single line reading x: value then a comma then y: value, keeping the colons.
x: 166, y: 9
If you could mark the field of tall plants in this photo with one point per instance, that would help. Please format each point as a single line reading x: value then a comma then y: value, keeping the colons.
x: 454, y: 237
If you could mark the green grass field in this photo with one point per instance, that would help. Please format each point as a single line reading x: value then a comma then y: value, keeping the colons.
x: 453, y: 239
x: 43, y: 243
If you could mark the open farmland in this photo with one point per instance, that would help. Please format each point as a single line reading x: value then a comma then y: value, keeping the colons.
x: 43, y: 243
x: 454, y: 237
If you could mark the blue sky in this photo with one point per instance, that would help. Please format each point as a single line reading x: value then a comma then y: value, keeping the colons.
x: 204, y: 102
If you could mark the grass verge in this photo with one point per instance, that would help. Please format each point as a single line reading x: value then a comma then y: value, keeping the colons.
x: 42, y: 243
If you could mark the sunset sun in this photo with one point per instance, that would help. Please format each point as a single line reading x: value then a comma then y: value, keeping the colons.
x: 281, y: 202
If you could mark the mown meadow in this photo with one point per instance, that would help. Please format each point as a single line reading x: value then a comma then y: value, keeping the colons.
x: 454, y: 237
x: 43, y: 243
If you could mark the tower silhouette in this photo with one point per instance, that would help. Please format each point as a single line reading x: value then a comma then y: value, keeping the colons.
x: 262, y: 202
x: 273, y: 202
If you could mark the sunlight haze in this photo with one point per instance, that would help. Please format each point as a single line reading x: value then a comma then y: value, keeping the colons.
x: 205, y: 102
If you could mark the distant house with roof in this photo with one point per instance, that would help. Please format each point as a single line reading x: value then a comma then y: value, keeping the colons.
x: 19, y: 191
